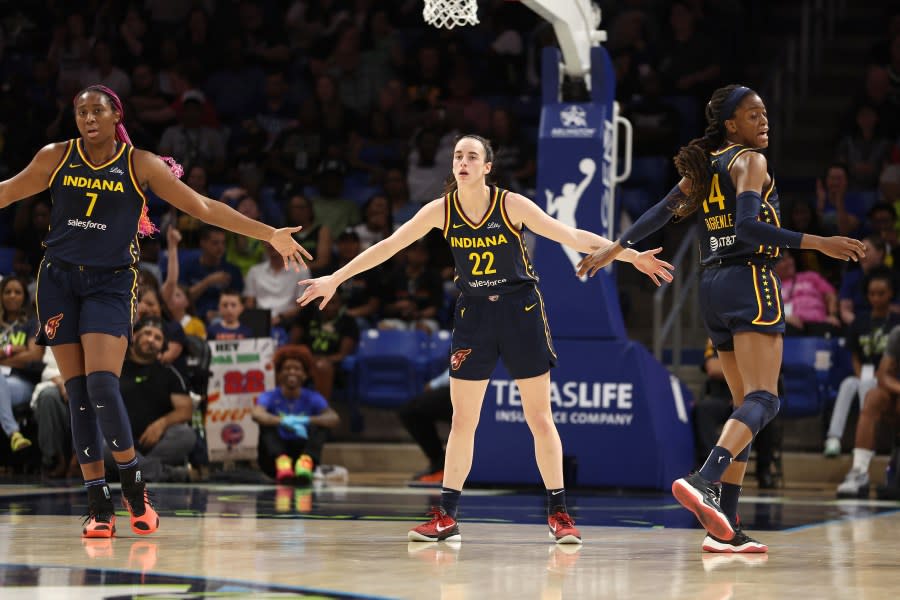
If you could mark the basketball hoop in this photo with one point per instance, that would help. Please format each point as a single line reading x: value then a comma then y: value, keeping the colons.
x: 450, y: 13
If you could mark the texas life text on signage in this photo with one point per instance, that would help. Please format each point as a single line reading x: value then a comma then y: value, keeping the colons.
x: 572, y: 402
x: 241, y: 371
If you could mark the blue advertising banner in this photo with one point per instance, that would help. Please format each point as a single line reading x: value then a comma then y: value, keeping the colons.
x: 620, y: 414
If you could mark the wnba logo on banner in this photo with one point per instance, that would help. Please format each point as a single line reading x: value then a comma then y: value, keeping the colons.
x: 574, y: 122
x: 573, y: 402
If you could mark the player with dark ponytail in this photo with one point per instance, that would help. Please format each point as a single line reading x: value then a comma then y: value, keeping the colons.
x: 87, y: 281
x: 725, y: 178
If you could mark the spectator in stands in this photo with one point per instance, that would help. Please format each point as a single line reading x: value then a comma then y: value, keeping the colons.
x: 69, y: 51
x: 190, y: 141
x: 377, y: 221
x: 852, y: 295
x: 864, y: 150
x: 294, y: 421
x: 336, y: 120
x: 103, y: 72
x: 360, y: 294
x: 803, y: 218
x: 159, y: 407
x: 331, y: 335
x: 150, y: 305
x: 20, y: 356
x: 271, y: 287
x: 315, y: 236
x: 689, y: 62
x: 30, y: 228
x: 880, y: 402
x: 356, y: 83
x: 278, y: 110
x: 176, y: 296
x: 809, y: 301
x: 424, y: 176
x: 235, y: 87
x: 396, y: 190
x: 713, y: 410
x: 841, y: 212
x: 209, y: 273
x: 369, y: 152
x: 50, y: 405
x: 866, y: 340
x: 331, y: 207
x: 240, y: 250
x: 882, y: 221
x: 420, y: 416
x: 228, y: 326
x: 475, y: 111
x: 297, y: 151
x: 876, y: 93
x: 197, y: 42
x: 412, y: 293
x: 514, y: 164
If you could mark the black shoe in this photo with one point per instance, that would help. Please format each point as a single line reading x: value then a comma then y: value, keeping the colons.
x: 741, y: 543
x: 100, y: 521
x: 701, y: 497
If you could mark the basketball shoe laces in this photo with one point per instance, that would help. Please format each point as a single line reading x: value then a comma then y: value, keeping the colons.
x: 138, y: 498
x: 101, y: 510
x: 564, y: 520
x: 436, y: 513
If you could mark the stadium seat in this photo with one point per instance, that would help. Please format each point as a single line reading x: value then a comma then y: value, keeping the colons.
x: 389, y: 367
x: 806, y: 368
x: 6, y: 260
x: 438, y: 352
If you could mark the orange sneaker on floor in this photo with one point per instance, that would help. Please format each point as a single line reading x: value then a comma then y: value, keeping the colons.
x: 432, y: 479
x: 144, y: 519
x: 284, y: 468
x: 562, y: 528
x: 100, y: 521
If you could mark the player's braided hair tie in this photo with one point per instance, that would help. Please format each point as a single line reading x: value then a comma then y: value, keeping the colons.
x: 731, y: 104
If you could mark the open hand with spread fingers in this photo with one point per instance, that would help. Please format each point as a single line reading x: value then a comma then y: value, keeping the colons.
x: 292, y: 252
x: 654, y: 268
x: 319, y: 287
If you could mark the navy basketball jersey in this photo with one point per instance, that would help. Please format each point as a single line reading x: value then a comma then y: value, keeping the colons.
x: 718, y: 212
x: 96, y: 209
x: 490, y: 255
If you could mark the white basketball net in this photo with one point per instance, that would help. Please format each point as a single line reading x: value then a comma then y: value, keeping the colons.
x: 450, y: 13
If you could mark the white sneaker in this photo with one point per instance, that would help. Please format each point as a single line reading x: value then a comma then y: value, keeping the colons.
x: 832, y: 447
x: 855, y: 485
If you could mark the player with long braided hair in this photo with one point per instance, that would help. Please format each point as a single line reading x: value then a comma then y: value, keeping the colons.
x: 87, y: 281
x: 724, y: 177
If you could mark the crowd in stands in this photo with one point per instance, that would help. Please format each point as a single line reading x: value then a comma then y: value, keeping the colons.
x: 340, y: 115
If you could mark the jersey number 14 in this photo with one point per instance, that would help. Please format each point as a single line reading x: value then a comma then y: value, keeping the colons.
x: 715, y: 195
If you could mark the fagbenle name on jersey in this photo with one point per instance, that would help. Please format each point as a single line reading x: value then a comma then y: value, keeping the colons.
x: 478, y: 242
x: 719, y: 222
x: 92, y: 183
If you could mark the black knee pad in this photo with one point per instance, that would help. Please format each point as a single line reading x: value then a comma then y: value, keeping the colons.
x: 758, y: 409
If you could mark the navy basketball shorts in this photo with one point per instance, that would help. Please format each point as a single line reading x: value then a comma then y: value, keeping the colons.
x: 736, y: 298
x: 72, y: 301
x: 512, y: 327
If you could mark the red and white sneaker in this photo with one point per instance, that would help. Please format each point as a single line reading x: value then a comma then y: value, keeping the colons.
x: 741, y: 543
x: 562, y: 528
x: 441, y: 527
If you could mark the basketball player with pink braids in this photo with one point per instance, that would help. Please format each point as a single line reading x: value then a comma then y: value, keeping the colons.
x: 87, y: 281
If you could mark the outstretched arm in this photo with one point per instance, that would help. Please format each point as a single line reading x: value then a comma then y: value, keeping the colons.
x: 429, y: 217
x: 156, y: 174
x: 34, y: 178
x: 521, y: 210
x: 749, y: 174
